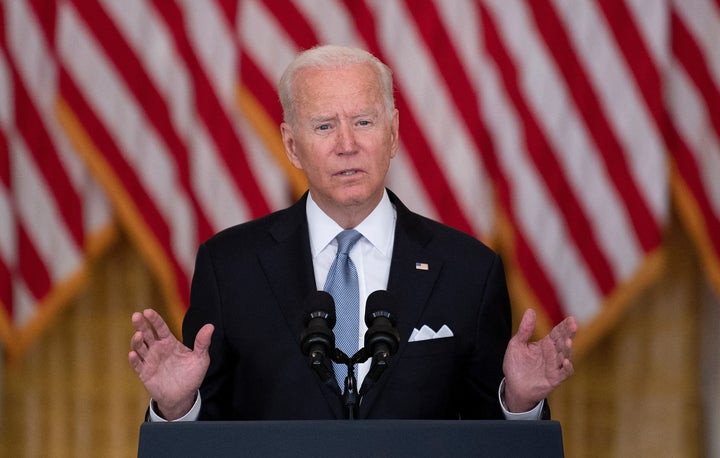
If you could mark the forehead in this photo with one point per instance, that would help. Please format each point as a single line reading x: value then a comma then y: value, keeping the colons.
x: 355, y: 86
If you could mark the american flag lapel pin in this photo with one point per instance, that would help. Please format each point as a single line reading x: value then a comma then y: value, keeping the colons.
x: 421, y: 266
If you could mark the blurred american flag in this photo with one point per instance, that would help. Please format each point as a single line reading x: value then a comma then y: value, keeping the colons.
x: 563, y: 132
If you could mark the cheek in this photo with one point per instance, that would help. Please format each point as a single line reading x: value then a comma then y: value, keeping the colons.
x: 384, y: 155
x: 304, y: 155
x: 312, y: 165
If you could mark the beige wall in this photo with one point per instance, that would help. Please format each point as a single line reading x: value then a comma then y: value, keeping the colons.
x: 636, y: 393
x: 74, y: 393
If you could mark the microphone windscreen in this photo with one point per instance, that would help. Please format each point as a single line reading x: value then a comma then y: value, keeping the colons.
x: 380, y: 303
x: 320, y: 304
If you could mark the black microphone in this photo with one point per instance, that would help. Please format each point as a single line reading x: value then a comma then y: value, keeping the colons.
x: 381, y: 338
x: 317, y: 338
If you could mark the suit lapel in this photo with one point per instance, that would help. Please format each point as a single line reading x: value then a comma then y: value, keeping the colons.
x: 413, y: 272
x: 288, y: 266
x: 289, y: 270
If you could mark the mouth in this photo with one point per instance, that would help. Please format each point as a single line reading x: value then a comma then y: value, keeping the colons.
x: 348, y: 172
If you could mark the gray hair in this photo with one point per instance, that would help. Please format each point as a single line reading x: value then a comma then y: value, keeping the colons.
x: 331, y: 56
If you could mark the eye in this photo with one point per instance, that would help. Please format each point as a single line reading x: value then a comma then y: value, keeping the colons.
x: 364, y: 123
x: 323, y: 127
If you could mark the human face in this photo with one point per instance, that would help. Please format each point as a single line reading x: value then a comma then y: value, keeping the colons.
x: 343, y: 138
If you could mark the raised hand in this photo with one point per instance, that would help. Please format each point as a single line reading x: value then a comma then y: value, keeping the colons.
x: 171, y: 372
x: 534, y: 369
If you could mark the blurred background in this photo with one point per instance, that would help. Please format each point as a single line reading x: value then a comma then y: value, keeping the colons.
x: 580, y: 139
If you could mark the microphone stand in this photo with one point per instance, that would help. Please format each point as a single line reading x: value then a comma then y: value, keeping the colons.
x: 350, y: 395
x: 378, y: 366
x: 319, y: 364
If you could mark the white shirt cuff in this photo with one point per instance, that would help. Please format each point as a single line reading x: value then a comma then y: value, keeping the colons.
x: 192, y: 414
x: 534, y: 414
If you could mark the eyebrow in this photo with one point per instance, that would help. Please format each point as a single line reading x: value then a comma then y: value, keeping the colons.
x: 362, y: 114
x: 318, y: 119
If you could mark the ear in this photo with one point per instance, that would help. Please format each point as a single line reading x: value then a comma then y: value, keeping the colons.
x: 395, y: 133
x: 288, y: 140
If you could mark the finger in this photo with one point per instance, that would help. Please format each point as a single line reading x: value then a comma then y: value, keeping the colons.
x: 563, y: 334
x: 526, y: 327
x: 142, y: 324
x: 565, y: 329
x: 569, y: 336
x: 556, y: 350
x: 135, y: 361
x: 568, y: 346
x: 561, y: 373
x: 572, y: 325
x: 161, y: 329
x: 138, y: 345
x: 138, y: 321
x: 561, y: 344
x: 203, y: 338
x: 563, y: 352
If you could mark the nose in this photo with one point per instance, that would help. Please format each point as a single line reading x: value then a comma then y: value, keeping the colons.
x: 345, y: 139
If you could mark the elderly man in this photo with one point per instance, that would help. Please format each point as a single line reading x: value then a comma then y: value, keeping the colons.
x: 247, y: 309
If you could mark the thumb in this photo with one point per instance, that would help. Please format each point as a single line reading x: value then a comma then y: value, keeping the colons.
x: 202, y: 339
x: 527, y: 326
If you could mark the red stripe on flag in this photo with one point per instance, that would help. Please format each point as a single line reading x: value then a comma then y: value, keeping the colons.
x: 637, y: 58
x: 543, y: 289
x: 45, y: 157
x: 31, y: 266
x: 153, y: 218
x: 4, y: 160
x: 688, y: 53
x: 129, y: 67
x: 448, y: 63
x: 213, y: 115
x: 547, y: 165
x: 440, y: 46
x: 262, y: 89
x: 6, y: 296
x: 230, y: 9
x: 589, y: 107
x: 688, y: 169
x: 46, y: 15
x: 293, y: 23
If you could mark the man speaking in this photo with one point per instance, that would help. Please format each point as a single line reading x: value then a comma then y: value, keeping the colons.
x: 243, y: 356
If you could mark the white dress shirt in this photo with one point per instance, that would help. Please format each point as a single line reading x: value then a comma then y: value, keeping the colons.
x: 371, y: 255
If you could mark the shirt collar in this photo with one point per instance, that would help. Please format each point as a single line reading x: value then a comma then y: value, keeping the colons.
x: 378, y: 227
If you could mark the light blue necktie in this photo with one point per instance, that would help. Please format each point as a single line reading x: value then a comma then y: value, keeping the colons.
x: 342, y: 284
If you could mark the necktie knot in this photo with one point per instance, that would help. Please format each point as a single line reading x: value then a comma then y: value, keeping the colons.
x: 346, y: 240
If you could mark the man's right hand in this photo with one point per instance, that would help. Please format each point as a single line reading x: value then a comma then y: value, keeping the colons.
x: 171, y: 372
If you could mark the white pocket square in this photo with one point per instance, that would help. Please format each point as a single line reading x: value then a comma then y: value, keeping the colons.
x: 425, y: 333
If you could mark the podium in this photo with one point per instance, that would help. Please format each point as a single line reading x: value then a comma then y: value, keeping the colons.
x: 359, y: 438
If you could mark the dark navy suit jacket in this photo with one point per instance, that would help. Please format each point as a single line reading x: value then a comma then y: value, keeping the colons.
x: 251, y: 281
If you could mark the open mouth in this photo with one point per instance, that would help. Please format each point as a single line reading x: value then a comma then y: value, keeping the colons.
x: 348, y: 172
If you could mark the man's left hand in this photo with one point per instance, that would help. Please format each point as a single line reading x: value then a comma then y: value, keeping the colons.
x: 534, y: 369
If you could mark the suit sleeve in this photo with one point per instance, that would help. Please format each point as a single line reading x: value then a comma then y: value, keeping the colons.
x: 493, y: 328
x: 206, y: 307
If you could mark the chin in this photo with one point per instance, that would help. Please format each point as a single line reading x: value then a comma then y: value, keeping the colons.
x: 352, y: 201
x: 355, y: 196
